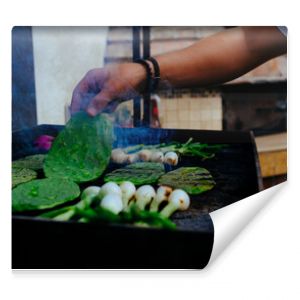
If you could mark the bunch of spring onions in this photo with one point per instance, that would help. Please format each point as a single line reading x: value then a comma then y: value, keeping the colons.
x: 165, y: 153
x: 124, y: 203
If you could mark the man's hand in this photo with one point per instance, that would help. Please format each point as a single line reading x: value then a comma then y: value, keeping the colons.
x: 105, y: 88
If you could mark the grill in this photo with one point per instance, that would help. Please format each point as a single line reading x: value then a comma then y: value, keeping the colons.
x: 48, y: 244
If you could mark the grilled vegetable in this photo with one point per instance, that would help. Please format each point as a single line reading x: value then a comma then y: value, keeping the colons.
x: 118, y: 156
x: 43, y: 193
x: 88, y: 195
x: 89, y: 198
x: 157, y: 156
x: 145, y: 155
x: 111, y: 208
x: 132, y: 158
x: 144, y: 195
x: 21, y: 175
x: 110, y: 188
x: 81, y: 151
x: 33, y: 162
x: 171, y: 158
x: 193, y: 180
x: 138, y: 173
x: 162, y: 194
x: 178, y: 200
x: 189, y: 148
x: 128, y: 191
x: 90, y: 192
x: 66, y: 213
x: 112, y: 202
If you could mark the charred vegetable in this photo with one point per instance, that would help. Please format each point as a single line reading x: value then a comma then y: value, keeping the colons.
x: 193, y: 180
x: 82, y: 150
x: 138, y: 173
x: 106, y: 205
x: 22, y: 175
x: 128, y: 190
x: 178, y: 200
x: 162, y: 194
x: 145, y: 155
x: 43, y: 193
x: 171, y: 158
x: 155, y: 153
x: 144, y: 196
x: 33, y: 162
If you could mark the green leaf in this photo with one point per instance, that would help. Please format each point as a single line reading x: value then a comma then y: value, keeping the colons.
x: 33, y: 162
x: 21, y: 175
x: 81, y: 151
x: 138, y: 173
x: 43, y: 193
x: 193, y: 180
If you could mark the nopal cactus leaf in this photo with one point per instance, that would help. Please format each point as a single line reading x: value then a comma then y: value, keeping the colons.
x: 81, y: 151
x: 138, y: 173
x: 43, y: 193
x: 21, y: 175
x: 194, y: 180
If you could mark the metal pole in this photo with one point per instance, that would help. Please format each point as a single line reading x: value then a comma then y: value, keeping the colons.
x: 136, y: 54
x: 146, y: 42
x: 147, y: 96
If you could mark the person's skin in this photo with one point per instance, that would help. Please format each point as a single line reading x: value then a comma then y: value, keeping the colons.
x: 215, y: 59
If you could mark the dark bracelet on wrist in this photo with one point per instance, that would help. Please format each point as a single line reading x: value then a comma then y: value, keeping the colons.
x: 152, y: 80
x: 156, y: 77
x: 148, y: 85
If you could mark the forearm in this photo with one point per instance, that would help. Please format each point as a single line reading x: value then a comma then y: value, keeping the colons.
x: 221, y: 57
x: 215, y: 59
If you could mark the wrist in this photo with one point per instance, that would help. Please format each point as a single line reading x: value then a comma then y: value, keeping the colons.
x: 152, y: 70
x: 138, y: 77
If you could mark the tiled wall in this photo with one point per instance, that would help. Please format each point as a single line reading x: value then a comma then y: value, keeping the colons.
x: 191, y: 113
x: 188, y: 112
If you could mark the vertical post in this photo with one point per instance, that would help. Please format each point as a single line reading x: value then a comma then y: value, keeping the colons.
x: 136, y: 53
x: 24, y: 110
x: 147, y: 96
x: 146, y: 42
